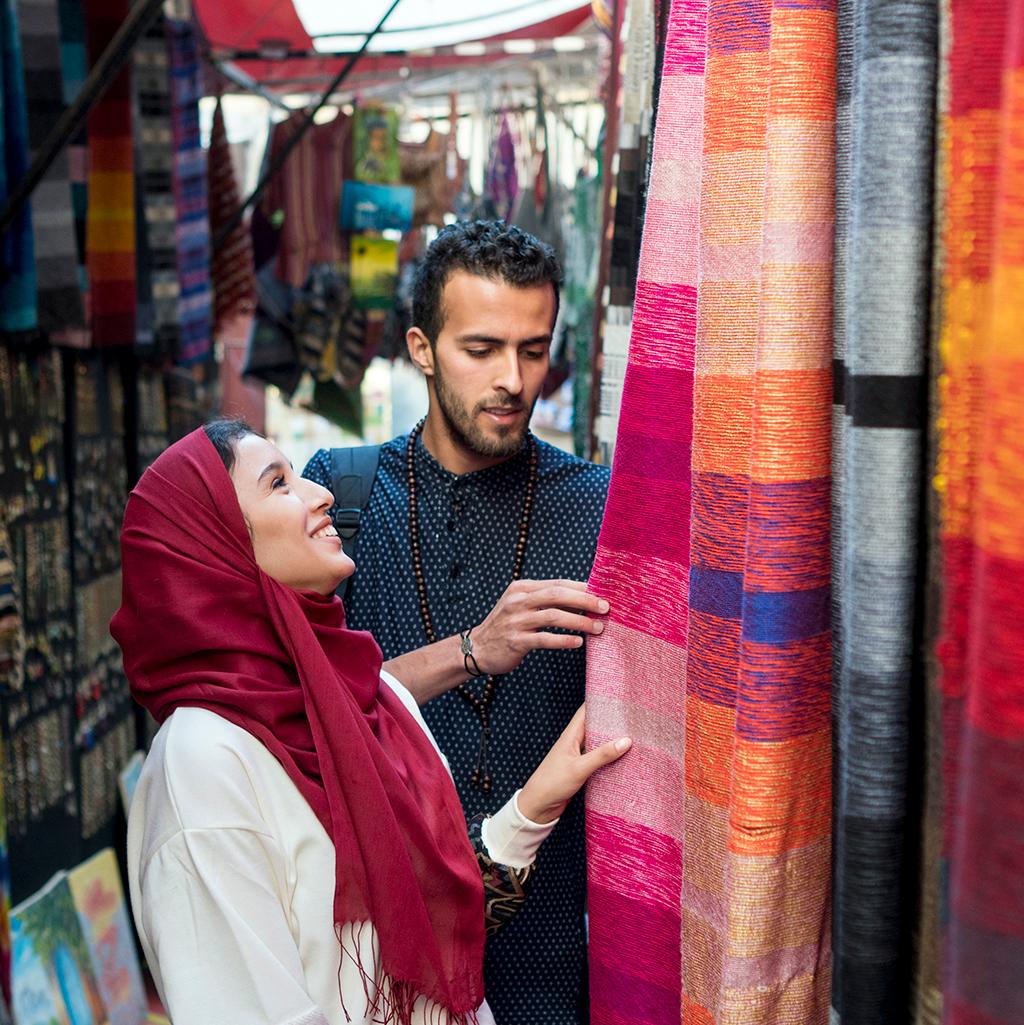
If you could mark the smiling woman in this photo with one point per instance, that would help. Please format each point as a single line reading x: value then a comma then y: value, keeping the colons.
x: 296, y: 848
x: 293, y: 538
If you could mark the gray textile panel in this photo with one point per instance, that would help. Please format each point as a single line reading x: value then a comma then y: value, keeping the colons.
x: 885, y: 128
x: 60, y: 300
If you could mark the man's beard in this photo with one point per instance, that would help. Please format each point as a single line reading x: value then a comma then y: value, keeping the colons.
x: 464, y: 430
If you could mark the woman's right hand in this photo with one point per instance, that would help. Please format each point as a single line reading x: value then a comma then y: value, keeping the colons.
x: 565, y: 769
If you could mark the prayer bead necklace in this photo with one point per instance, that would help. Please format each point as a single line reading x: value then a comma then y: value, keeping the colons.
x: 480, y: 703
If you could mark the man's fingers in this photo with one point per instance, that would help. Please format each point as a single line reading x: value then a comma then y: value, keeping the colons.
x: 547, y: 619
x: 603, y: 755
x: 559, y: 596
x: 533, y: 585
x: 553, y: 642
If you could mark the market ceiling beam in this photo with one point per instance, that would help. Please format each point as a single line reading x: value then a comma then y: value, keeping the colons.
x: 103, y: 72
x: 286, y: 150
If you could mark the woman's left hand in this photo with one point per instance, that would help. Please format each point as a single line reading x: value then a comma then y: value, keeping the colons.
x: 565, y: 769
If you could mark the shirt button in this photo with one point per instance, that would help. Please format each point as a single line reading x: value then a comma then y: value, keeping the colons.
x: 455, y: 571
x: 450, y: 525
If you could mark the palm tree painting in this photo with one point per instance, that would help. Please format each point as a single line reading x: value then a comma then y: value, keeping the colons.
x: 99, y: 900
x: 52, y: 978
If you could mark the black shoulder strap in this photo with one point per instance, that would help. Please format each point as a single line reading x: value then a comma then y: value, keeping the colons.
x: 353, y: 471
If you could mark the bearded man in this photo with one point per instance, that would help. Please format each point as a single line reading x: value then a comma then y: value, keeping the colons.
x: 472, y: 552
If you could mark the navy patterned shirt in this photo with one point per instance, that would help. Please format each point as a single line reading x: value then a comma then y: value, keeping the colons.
x: 535, y: 969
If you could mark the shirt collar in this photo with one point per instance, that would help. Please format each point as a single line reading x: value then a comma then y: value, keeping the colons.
x: 509, y: 472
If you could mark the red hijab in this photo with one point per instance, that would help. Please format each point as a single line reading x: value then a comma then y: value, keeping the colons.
x: 201, y: 625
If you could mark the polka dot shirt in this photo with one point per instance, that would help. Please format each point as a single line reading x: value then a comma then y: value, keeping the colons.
x: 535, y: 969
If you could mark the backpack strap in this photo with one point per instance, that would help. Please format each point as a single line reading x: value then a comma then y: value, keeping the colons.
x: 353, y: 471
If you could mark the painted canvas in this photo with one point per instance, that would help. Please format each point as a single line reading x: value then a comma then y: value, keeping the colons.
x: 129, y: 777
x: 369, y: 207
x: 376, y: 146
x: 374, y: 270
x: 5, y: 906
x: 52, y: 982
x: 99, y: 900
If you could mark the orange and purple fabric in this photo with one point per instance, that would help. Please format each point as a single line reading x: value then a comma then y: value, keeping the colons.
x: 709, y: 845
x: 980, y: 483
x: 110, y: 221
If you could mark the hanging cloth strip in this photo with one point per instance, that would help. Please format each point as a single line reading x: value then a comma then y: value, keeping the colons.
x: 17, y: 249
x: 195, y: 304
x: 980, y: 483
x: 232, y: 268
x: 74, y: 64
x: 636, y: 670
x: 110, y: 218
x: 885, y: 157
x: 501, y: 179
x: 303, y: 196
x: 154, y: 160
x: 714, y: 844
x: 630, y: 197
x: 61, y: 312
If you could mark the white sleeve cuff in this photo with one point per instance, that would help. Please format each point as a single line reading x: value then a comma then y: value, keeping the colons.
x: 511, y: 838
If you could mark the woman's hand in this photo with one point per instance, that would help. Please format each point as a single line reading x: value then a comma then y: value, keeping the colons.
x: 565, y: 769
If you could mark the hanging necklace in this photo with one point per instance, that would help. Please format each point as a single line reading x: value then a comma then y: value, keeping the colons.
x: 480, y: 703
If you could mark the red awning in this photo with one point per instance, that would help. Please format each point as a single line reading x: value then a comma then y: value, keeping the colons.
x: 247, y: 31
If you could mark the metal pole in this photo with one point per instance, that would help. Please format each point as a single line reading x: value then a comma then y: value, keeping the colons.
x: 290, y: 145
x: 104, y: 71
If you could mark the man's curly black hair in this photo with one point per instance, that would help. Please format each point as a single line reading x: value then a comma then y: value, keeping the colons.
x: 489, y: 249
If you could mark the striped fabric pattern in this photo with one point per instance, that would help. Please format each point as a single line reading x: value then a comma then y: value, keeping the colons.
x: 74, y: 64
x: 110, y: 218
x: 636, y: 670
x: 154, y: 157
x: 195, y: 305
x: 232, y: 273
x: 17, y: 267
x: 887, y: 66
x: 980, y: 478
x: 711, y: 842
x: 61, y: 313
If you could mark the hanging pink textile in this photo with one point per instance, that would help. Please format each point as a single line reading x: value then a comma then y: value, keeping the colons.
x: 709, y: 847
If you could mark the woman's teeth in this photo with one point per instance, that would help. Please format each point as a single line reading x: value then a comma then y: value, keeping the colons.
x: 327, y: 531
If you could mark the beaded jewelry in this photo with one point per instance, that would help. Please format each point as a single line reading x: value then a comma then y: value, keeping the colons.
x: 480, y: 703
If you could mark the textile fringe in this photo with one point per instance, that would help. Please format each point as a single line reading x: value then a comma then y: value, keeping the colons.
x: 391, y: 1001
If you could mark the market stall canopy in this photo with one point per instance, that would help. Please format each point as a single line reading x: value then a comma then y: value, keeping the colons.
x: 287, y: 44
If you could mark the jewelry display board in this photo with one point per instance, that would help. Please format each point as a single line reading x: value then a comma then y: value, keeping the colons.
x: 37, y: 700
x: 152, y: 425
x: 104, y: 728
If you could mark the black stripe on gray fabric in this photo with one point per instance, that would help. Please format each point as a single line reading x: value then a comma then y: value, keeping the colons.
x: 884, y: 400
x: 880, y: 400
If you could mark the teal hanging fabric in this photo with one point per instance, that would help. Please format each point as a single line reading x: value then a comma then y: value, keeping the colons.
x: 17, y: 246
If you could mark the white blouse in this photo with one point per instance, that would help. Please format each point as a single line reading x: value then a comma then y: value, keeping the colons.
x: 232, y: 882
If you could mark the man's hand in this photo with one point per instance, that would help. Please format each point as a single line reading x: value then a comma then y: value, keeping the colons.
x: 525, y: 615
x: 566, y: 767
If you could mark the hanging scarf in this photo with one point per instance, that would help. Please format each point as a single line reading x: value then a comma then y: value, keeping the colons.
x: 501, y: 181
x: 17, y: 256
x: 192, y: 234
x: 110, y: 214
x: 202, y: 626
x: 231, y: 268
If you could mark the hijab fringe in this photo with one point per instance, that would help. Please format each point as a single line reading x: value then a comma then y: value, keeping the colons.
x: 391, y: 1001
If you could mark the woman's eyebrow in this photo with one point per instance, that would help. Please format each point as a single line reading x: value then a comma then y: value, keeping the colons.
x: 275, y: 467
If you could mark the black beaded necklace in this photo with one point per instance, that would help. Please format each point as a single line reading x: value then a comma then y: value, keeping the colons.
x: 480, y: 703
